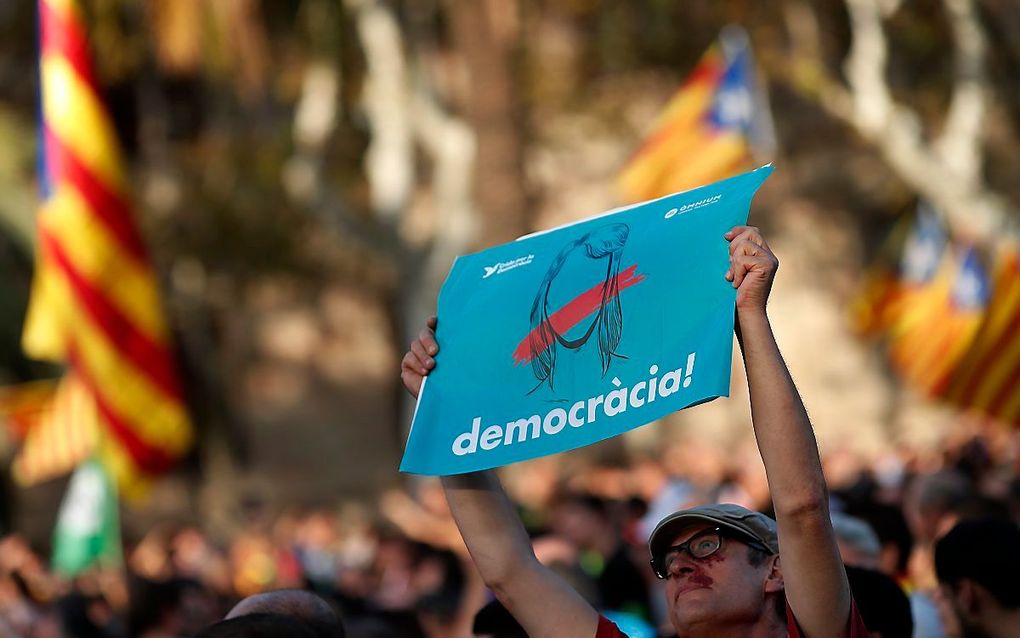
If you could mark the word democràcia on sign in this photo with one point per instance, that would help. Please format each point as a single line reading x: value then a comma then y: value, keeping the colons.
x: 579, y: 414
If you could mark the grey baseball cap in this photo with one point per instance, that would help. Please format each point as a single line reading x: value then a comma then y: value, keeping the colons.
x: 754, y: 525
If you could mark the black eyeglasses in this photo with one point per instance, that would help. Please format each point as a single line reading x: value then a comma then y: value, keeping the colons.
x: 699, y: 546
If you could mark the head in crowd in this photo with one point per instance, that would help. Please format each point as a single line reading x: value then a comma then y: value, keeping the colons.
x: 178, y: 606
x: 439, y: 580
x: 883, y: 604
x: 258, y: 626
x: 312, y: 611
x: 583, y: 519
x: 935, y: 501
x: 893, y: 533
x: 858, y: 543
x: 1013, y: 499
x: 589, y: 522
x: 78, y: 615
x: 731, y: 554
x: 494, y: 620
x: 977, y: 564
x: 372, y: 627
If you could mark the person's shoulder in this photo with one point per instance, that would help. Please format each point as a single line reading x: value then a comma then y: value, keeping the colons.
x: 855, y: 624
x: 608, y: 629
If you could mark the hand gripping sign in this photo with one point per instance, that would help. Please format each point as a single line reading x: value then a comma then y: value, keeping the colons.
x: 574, y: 335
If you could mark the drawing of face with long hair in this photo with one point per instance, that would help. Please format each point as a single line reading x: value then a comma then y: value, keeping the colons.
x: 560, y: 313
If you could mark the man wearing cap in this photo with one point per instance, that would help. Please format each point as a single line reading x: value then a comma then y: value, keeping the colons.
x: 726, y: 572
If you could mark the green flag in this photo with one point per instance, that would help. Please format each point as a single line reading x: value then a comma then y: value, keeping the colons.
x: 88, y: 530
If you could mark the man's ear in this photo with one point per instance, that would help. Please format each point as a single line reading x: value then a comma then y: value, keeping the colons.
x: 968, y: 597
x: 774, y: 580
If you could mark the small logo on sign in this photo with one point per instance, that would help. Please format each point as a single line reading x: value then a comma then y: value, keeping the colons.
x: 503, y: 266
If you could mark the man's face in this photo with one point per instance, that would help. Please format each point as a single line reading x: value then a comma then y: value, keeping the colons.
x: 576, y: 523
x: 721, y: 588
x: 956, y: 608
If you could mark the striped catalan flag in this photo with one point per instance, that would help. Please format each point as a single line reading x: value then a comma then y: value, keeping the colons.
x: 709, y: 128
x: 987, y: 379
x: 95, y: 302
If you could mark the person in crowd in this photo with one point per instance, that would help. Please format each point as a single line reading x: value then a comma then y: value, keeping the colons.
x: 894, y: 537
x: 933, y: 503
x: 725, y: 571
x: 858, y: 543
x: 258, y: 626
x: 312, y: 611
x: 374, y: 627
x: 883, y: 604
x: 169, y: 608
x: 81, y: 616
x: 977, y: 564
x: 586, y: 522
x: 495, y: 621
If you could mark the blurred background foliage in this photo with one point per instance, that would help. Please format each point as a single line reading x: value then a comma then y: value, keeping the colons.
x: 305, y: 170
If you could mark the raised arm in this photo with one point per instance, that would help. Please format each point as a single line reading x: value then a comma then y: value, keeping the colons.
x: 499, y: 545
x: 815, y: 581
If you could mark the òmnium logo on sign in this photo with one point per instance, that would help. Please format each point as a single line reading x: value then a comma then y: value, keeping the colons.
x: 686, y: 208
x: 503, y: 266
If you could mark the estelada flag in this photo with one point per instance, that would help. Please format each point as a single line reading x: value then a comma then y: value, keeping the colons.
x: 987, y: 379
x: 95, y: 302
x: 22, y: 405
x: 925, y: 295
x: 914, y: 252
x: 938, y: 324
x: 55, y: 422
x: 708, y: 131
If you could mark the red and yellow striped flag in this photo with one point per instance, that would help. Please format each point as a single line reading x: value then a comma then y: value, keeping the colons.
x: 95, y: 302
x: 987, y: 380
x: 707, y: 130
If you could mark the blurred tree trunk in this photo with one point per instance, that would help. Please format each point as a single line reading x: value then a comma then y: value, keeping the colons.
x: 404, y: 114
x: 177, y: 34
x: 246, y: 47
x: 486, y: 34
x: 947, y: 167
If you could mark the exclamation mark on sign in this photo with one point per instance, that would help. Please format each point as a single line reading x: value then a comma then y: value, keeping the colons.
x: 690, y: 369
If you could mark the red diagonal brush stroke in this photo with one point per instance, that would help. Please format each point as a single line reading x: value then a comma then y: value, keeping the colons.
x: 572, y: 313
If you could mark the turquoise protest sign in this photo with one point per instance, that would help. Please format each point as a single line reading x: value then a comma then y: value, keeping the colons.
x: 571, y: 336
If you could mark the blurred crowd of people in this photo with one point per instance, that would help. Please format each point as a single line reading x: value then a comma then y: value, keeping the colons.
x: 400, y: 567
